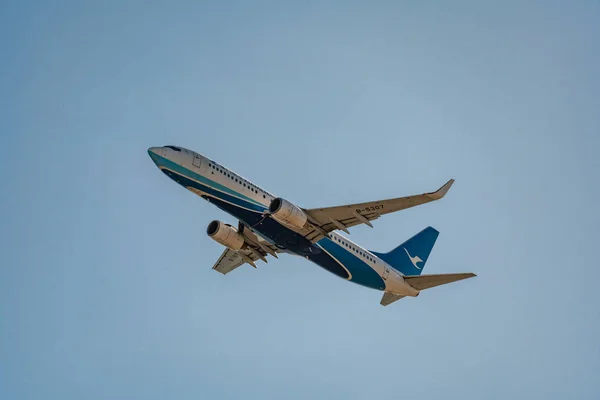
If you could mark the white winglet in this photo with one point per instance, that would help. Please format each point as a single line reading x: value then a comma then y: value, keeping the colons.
x: 441, y: 192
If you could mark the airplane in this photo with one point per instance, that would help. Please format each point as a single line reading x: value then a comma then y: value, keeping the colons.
x: 269, y: 225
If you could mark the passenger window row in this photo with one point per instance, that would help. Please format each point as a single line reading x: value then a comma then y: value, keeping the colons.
x: 237, y: 179
x: 354, y: 249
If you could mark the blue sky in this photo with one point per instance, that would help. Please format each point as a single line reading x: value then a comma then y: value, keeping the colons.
x: 106, y: 287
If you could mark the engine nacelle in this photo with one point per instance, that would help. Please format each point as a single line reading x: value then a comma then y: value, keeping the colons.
x: 287, y: 213
x: 226, y: 235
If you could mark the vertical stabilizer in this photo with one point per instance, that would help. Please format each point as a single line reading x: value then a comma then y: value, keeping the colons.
x: 410, y: 257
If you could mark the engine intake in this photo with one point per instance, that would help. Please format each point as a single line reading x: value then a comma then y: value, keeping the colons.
x: 225, y: 234
x: 287, y: 213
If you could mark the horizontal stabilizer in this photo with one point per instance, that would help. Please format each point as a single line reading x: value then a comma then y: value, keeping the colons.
x: 389, y: 298
x: 421, y: 282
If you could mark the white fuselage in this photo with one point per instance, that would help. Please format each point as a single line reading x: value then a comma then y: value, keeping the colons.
x: 240, y: 197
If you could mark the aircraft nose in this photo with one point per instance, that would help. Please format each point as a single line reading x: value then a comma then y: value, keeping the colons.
x: 153, y: 152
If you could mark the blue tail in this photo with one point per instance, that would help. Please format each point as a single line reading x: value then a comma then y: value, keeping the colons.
x: 410, y: 257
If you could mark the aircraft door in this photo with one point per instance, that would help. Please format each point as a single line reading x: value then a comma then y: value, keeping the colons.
x: 200, y: 164
x: 197, y: 161
x: 386, y: 272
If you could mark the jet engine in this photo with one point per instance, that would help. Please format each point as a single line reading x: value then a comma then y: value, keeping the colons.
x: 287, y: 213
x: 225, y: 234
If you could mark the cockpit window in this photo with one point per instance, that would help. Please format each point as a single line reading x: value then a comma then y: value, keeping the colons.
x: 173, y: 147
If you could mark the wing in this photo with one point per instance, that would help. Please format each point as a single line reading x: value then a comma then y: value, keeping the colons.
x: 231, y: 259
x: 228, y: 261
x: 329, y: 219
x: 255, y: 248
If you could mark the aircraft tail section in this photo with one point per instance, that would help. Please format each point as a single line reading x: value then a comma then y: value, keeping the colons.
x: 422, y: 282
x: 410, y: 257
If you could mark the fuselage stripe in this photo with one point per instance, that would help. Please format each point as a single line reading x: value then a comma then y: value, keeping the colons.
x: 168, y: 164
x: 336, y: 260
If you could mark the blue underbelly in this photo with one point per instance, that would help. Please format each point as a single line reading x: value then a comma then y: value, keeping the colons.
x: 336, y: 259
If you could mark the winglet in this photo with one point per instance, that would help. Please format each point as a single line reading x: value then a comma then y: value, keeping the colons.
x: 441, y: 192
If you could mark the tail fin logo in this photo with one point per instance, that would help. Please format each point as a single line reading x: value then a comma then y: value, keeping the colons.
x: 414, y: 260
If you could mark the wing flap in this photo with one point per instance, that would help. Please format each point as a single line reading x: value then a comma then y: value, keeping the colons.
x: 231, y: 259
x: 228, y: 261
